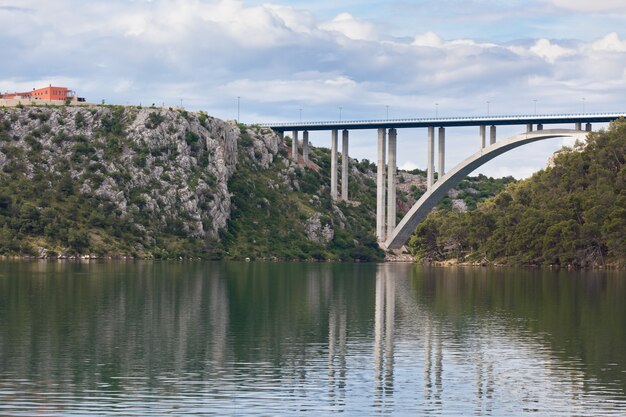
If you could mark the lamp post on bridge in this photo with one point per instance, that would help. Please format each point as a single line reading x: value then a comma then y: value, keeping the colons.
x: 340, y: 108
x: 488, y: 107
x: 387, y: 112
x: 583, y: 105
x: 300, y: 115
x: 436, y: 110
x: 535, y: 103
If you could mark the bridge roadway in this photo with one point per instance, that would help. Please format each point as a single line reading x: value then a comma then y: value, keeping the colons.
x: 544, y: 119
x: 388, y: 234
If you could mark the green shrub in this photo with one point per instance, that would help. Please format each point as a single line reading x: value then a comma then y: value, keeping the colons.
x: 154, y: 120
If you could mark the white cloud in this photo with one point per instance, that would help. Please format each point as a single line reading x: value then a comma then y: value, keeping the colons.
x: 325, y: 88
x: 351, y: 27
x: 279, y: 58
x: 429, y: 39
x: 408, y: 166
x: 609, y: 43
x: 517, y: 171
x: 597, y: 6
x: 549, y: 51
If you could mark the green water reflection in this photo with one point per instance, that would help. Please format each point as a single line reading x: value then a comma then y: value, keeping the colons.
x: 273, y: 338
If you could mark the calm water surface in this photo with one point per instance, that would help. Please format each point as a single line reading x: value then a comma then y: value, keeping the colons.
x: 311, y: 339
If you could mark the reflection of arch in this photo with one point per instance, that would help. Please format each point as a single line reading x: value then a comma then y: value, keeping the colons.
x: 425, y: 204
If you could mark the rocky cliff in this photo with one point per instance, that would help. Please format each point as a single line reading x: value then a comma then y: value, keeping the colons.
x: 150, y: 182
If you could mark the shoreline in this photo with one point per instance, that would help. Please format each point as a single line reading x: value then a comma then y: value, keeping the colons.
x: 397, y: 259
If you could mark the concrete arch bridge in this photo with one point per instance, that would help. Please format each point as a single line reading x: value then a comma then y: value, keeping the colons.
x: 391, y: 235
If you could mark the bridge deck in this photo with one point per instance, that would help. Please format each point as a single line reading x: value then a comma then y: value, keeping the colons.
x: 448, y: 122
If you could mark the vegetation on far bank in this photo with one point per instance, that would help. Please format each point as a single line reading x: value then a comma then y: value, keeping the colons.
x: 570, y: 214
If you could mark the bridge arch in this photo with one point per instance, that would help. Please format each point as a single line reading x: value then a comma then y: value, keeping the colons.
x: 427, y: 202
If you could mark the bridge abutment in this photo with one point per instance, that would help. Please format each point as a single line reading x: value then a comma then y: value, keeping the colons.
x: 482, y: 129
x: 294, y: 145
x: 380, y: 185
x: 430, y: 169
x: 441, y: 163
x: 333, y: 164
x: 345, y: 163
x: 305, y: 146
x: 391, y: 182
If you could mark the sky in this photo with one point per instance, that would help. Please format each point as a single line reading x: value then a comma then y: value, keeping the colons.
x: 412, y: 58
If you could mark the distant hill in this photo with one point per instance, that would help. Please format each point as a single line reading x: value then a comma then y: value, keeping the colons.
x: 572, y: 213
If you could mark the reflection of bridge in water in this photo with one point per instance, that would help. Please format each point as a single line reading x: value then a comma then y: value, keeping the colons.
x: 384, y: 339
x: 298, y: 338
x: 391, y: 235
x: 487, y: 360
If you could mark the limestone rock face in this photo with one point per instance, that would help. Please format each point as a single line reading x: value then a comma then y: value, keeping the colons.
x: 316, y: 232
x: 459, y: 205
x: 167, y: 165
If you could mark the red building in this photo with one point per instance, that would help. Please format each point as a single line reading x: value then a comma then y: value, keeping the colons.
x: 46, y: 93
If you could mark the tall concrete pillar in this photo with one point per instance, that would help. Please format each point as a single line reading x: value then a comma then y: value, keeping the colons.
x: 305, y: 146
x: 391, y: 182
x: 441, y: 160
x: 483, y: 136
x: 430, y: 167
x: 529, y: 127
x: 492, y: 135
x: 539, y: 126
x: 578, y: 126
x: 588, y: 127
x: 333, y: 165
x: 294, y: 145
x: 345, y: 165
x: 380, y: 185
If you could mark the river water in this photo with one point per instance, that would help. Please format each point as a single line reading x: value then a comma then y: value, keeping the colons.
x: 309, y: 339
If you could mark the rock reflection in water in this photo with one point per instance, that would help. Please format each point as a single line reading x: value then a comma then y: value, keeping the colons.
x: 269, y: 339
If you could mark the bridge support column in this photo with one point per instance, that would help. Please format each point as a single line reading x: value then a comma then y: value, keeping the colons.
x: 539, y: 126
x: 430, y: 168
x: 380, y: 185
x: 441, y: 160
x: 492, y: 135
x: 483, y: 136
x: 345, y: 164
x: 294, y: 145
x: 588, y: 127
x: 333, y: 165
x: 529, y: 127
x: 578, y: 126
x: 391, y: 182
x: 305, y: 146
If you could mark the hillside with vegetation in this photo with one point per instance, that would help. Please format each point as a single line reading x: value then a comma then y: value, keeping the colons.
x: 112, y: 181
x: 572, y: 213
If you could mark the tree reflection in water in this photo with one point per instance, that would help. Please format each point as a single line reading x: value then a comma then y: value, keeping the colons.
x: 238, y: 338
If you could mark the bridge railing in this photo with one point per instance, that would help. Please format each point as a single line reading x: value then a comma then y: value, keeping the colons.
x: 543, y: 117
